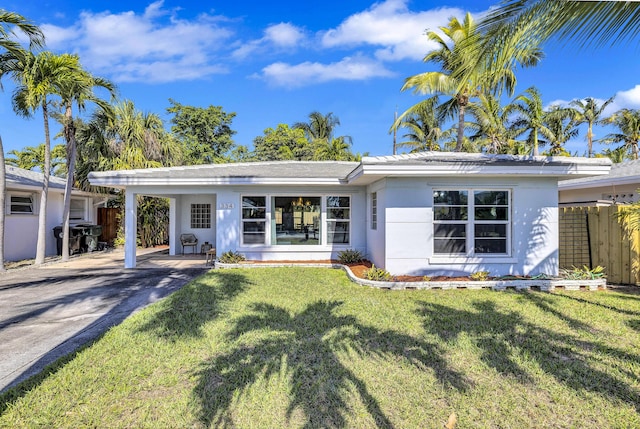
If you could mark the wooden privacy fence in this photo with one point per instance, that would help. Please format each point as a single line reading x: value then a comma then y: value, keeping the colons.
x: 595, y: 236
x: 108, y: 218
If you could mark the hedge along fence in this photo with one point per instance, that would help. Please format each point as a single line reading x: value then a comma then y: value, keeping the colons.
x: 595, y: 236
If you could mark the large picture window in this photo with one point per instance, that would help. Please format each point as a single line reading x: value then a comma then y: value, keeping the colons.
x: 296, y: 220
x: 471, y: 222
x: 254, y: 220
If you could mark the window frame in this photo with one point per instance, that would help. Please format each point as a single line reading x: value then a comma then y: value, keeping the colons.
x: 84, y: 217
x: 374, y: 211
x: 10, y: 203
x: 470, y: 223
x: 264, y: 220
x: 335, y: 221
x: 323, y: 237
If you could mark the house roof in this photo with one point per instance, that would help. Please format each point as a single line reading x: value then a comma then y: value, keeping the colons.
x: 624, y: 173
x: 367, y: 171
x: 460, y: 163
x: 270, y: 172
x: 19, y: 178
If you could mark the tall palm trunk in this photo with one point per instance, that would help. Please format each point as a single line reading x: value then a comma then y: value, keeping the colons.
x: 70, y: 137
x: 590, y: 139
x: 463, y: 100
x: 3, y: 195
x: 41, y: 245
x: 535, y: 142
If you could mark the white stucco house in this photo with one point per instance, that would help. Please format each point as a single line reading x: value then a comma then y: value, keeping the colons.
x: 420, y: 214
x: 620, y: 186
x: 24, y: 188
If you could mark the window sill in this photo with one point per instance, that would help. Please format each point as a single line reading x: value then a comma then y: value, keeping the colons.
x: 489, y: 259
x: 291, y: 248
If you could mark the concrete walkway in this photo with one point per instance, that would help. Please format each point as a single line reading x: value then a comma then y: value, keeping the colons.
x: 48, y: 312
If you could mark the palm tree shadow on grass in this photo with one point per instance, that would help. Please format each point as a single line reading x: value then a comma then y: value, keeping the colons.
x: 565, y: 357
x: 184, y: 313
x: 306, y: 347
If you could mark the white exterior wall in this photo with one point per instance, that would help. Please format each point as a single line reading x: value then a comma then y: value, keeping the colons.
x: 376, y: 238
x: 620, y: 193
x: 228, y: 219
x: 184, y: 220
x: 21, y: 230
x: 409, y: 228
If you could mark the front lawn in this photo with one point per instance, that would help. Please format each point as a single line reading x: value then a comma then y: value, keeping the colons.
x: 302, y: 347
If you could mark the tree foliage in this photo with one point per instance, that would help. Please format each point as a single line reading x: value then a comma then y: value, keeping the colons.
x: 282, y: 143
x: 205, y: 134
x: 32, y: 158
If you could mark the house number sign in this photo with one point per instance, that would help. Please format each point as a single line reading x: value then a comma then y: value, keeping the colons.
x: 226, y: 206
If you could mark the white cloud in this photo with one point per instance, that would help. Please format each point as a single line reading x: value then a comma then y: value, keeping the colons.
x: 143, y: 47
x: 281, y: 36
x: 629, y: 99
x: 284, y: 34
x: 349, y: 68
x: 390, y: 25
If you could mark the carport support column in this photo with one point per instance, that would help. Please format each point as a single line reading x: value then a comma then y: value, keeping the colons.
x: 130, y: 228
x: 174, y: 222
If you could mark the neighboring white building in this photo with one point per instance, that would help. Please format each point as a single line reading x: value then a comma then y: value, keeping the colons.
x: 421, y: 214
x: 24, y: 188
x: 620, y: 186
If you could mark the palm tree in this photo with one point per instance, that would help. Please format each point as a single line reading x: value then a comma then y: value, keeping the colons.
x: 589, y: 112
x: 33, y: 158
x: 335, y: 150
x: 121, y: 139
x: 424, y: 125
x: 491, y: 125
x: 628, y: 122
x: 126, y: 138
x: 11, y: 52
x: 319, y: 127
x: 77, y: 89
x: 460, y: 50
x: 40, y: 76
x: 583, y: 21
x: 531, y: 115
x: 561, y: 126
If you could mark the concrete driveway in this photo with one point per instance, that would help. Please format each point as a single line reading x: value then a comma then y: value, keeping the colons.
x: 47, y: 313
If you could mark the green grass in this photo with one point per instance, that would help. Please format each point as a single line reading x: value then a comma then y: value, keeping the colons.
x: 299, y: 347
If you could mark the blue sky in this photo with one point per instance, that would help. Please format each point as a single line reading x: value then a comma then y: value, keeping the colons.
x: 276, y: 61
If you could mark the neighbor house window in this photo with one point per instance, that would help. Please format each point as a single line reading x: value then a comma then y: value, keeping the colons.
x: 21, y: 204
x: 254, y: 220
x: 471, y: 222
x: 200, y: 216
x: 295, y: 220
x: 374, y: 210
x: 78, y: 209
x: 338, y: 220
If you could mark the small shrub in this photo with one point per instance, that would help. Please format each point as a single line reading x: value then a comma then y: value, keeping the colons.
x: 378, y: 274
x: 231, y: 257
x: 480, y: 276
x: 584, y: 273
x: 350, y: 256
x: 426, y: 278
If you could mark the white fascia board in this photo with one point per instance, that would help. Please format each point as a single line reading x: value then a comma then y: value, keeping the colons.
x: 600, y: 183
x: 123, y: 182
x: 368, y: 173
